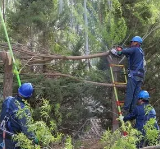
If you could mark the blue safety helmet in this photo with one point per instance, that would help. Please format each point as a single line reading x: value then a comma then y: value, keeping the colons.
x: 137, y: 39
x: 25, y: 90
x: 143, y: 95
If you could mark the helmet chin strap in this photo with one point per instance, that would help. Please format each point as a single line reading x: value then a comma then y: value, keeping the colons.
x: 141, y: 101
x: 20, y: 96
x: 135, y: 45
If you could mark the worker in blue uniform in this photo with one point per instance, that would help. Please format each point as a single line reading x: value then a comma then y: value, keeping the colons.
x: 10, y: 122
x: 142, y: 113
x: 136, y: 71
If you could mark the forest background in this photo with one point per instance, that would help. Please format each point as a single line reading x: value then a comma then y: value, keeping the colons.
x: 78, y: 28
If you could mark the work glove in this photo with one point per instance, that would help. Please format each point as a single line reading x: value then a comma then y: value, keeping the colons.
x: 117, y: 51
x: 121, y: 118
x: 114, y: 51
x: 35, y: 141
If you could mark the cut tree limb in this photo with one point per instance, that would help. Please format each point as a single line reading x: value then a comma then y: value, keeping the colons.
x: 78, y: 79
x: 52, y: 57
x: 152, y: 147
x: 23, y: 51
x: 74, y: 57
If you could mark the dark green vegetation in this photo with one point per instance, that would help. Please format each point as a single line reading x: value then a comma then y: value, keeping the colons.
x: 59, y: 28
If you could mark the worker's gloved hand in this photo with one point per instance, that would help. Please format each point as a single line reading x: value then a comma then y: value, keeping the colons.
x: 35, y: 140
x: 119, y: 50
x: 121, y: 118
x: 114, y: 51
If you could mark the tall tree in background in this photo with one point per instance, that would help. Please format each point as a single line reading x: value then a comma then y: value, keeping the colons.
x: 59, y: 27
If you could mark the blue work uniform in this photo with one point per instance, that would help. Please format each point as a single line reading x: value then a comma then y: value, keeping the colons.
x: 139, y: 114
x: 136, y: 71
x: 15, y: 124
x: 141, y: 117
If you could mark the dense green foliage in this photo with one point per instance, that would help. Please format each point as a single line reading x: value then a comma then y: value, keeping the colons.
x: 117, y: 140
x: 64, y: 103
x: 45, y: 130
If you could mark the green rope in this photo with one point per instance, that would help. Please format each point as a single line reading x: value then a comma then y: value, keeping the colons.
x: 10, y: 49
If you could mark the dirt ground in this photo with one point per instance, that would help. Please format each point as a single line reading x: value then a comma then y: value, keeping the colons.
x: 83, y: 144
x: 90, y: 144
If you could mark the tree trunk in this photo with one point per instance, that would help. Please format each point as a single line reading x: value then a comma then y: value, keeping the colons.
x: 115, y: 122
x: 44, y: 67
x: 60, y: 6
x: 3, y: 10
x: 8, y: 75
x: 87, y: 52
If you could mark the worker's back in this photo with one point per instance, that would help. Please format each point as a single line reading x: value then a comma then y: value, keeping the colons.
x: 144, y: 115
x: 135, y: 58
x: 9, y: 109
x: 13, y: 122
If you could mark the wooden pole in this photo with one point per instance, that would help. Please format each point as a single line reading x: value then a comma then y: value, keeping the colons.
x: 8, y: 75
x: 115, y: 122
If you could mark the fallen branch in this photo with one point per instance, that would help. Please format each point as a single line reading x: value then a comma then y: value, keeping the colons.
x: 152, y: 147
x: 85, y: 81
x: 52, y: 57
x: 73, y: 57
x: 24, y: 53
x: 77, y: 79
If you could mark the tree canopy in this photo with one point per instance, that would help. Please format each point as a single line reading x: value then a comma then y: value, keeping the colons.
x: 58, y: 27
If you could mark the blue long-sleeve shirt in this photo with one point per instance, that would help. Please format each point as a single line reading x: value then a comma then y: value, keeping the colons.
x: 135, y: 57
x: 16, y: 124
x: 139, y: 114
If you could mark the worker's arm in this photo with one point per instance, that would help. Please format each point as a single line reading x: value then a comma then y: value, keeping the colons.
x: 119, y: 51
x: 24, y: 122
x: 128, y: 51
x: 131, y: 116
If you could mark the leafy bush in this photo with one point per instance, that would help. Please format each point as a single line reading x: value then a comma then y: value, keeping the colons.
x: 43, y: 132
x: 117, y: 140
x: 151, y: 133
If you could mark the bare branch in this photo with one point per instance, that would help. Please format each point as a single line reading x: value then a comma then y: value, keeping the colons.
x: 51, y: 57
x: 25, y: 53
x: 152, y: 147
x: 77, y: 79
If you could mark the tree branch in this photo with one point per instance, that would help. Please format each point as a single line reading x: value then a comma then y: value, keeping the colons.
x: 152, y: 147
x: 25, y: 53
x: 77, y: 79
x: 52, y: 57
